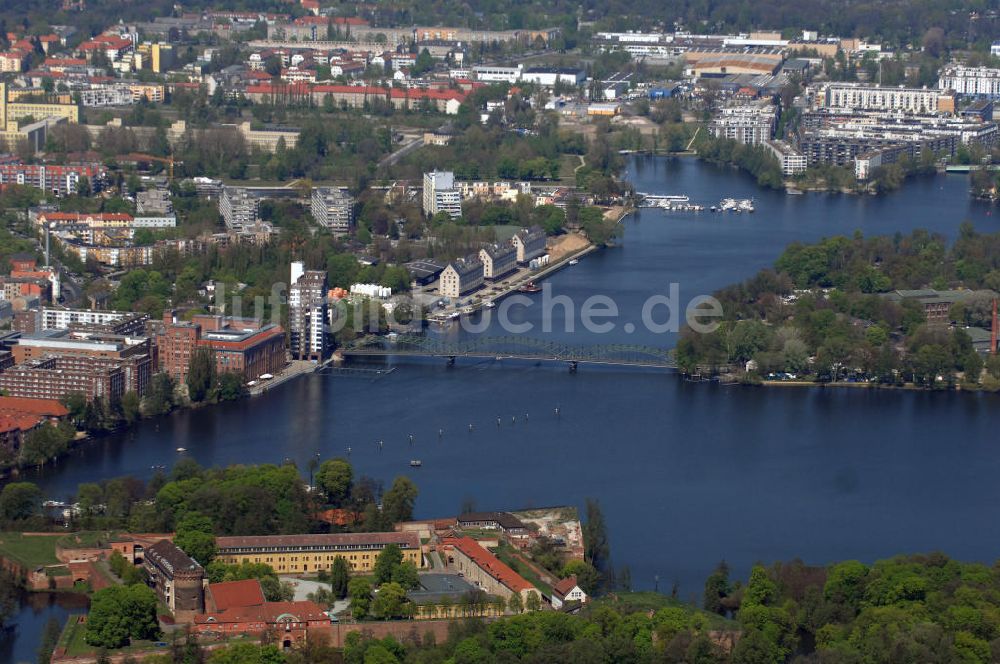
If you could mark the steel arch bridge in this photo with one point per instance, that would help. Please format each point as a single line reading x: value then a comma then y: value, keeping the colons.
x: 512, y: 347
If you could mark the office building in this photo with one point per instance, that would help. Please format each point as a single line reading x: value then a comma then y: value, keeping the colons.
x: 300, y: 554
x: 245, y: 346
x: 441, y: 195
x: 307, y: 313
x: 333, y: 209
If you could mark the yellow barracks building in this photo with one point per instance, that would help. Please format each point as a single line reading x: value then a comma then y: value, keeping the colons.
x: 294, y: 554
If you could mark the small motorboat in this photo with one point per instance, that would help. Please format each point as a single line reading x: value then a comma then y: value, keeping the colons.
x: 416, y: 463
x: 489, y: 304
x: 530, y: 287
x: 574, y: 261
x: 182, y: 449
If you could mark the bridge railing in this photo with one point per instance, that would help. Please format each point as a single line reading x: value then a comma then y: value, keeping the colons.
x: 513, y: 347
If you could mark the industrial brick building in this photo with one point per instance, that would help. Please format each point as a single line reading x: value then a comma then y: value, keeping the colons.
x: 244, y: 346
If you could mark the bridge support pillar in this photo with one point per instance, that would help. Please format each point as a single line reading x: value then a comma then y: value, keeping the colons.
x: 451, y: 360
x: 572, y: 367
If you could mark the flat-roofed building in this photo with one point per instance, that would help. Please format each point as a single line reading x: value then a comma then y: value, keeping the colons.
x: 132, y: 357
x: 239, y: 207
x: 296, y: 554
x: 441, y: 195
x: 877, y: 98
x: 57, y: 377
x: 750, y: 124
x: 126, y: 323
x: 333, y: 209
x: 244, y: 346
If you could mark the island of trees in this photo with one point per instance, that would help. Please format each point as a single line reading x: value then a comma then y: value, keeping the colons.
x: 838, y: 310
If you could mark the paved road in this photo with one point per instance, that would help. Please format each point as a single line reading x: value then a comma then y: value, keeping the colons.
x: 406, y: 149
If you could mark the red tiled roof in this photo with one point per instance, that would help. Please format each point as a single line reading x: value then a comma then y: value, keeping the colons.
x: 410, y: 540
x: 565, y: 586
x: 234, y: 594
x: 44, y: 407
x: 18, y: 422
x: 268, y: 612
x: 490, y: 564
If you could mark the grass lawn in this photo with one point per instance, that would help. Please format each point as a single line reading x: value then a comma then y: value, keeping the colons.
x: 30, y: 551
x: 72, y: 638
x: 506, y: 554
x: 86, y: 539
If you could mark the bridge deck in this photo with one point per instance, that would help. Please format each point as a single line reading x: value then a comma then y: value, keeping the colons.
x: 517, y: 348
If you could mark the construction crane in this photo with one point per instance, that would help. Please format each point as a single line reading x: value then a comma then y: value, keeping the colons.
x: 169, y: 161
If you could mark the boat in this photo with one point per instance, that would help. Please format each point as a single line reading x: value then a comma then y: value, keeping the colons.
x: 266, y: 376
x: 416, y: 463
x: 530, y: 287
x: 182, y: 449
x: 574, y: 261
x: 489, y: 304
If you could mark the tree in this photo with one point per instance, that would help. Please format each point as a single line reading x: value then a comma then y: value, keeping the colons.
x: 360, y: 590
x: 386, y: 563
x: 389, y: 601
x: 717, y: 587
x: 335, y: 478
x: 19, y: 501
x: 159, y: 397
x: 515, y: 603
x: 121, y: 613
x: 229, y: 386
x: 595, y: 537
x: 534, y: 601
x: 201, y: 374
x: 340, y: 576
x: 586, y: 575
x: 247, y: 653
x: 406, y: 575
x: 195, y: 537
x: 399, y: 500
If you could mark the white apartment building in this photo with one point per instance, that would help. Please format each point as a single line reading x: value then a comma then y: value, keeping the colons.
x: 876, y: 98
x: 749, y: 124
x: 333, y: 209
x: 239, y: 208
x: 792, y: 161
x: 60, y: 319
x: 441, y: 195
x: 972, y: 81
x: 995, y: 49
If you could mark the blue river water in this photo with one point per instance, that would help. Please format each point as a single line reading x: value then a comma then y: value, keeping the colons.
x: 687, y: 474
